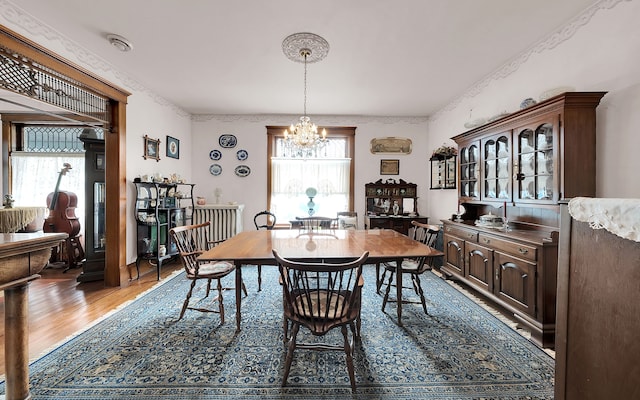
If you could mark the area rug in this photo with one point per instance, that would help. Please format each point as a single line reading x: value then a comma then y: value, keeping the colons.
x: 458, y: 351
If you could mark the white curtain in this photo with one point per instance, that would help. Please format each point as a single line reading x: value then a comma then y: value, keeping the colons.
x: 34, y: 176
x: 291, y: 178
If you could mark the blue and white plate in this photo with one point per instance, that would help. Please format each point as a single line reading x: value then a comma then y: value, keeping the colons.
x: 243, y: 170
x: 242, y: 155
x: 215, y: 169
x: 215, y: 155
x: 227, y: 141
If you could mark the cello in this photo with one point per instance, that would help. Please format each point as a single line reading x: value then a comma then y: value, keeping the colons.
x: 62, y: 218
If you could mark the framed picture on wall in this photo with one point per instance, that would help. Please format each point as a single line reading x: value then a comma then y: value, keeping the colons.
x: 173, y: 147
x: 151, y: 148
x: 389, y: 167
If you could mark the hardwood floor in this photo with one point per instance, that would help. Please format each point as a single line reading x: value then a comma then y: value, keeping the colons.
x: 59, y: 306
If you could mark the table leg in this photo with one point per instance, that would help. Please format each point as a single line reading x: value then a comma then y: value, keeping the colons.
x: 238, y: 294
x: 16, y: 342
x: 399, y: 289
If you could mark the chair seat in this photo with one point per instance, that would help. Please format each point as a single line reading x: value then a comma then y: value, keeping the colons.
x: 408, y: 266
x: 321, y: 307
x: 213, y: 270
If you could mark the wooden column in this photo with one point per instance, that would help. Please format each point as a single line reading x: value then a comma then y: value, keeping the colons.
x: 22, y: 257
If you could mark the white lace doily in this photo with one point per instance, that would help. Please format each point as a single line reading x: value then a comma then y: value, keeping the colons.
x: 618, y: 216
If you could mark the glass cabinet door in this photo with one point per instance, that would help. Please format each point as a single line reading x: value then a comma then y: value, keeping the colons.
x: 496, y: 178
x: 469, y: 171
x: 535, y: 179
x: 99, y: 223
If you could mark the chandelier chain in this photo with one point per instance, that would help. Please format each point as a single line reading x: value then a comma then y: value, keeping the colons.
x: 305, y: 53
x: 302, y: 139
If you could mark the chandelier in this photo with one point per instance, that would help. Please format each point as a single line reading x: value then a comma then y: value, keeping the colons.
x: 303, y: 139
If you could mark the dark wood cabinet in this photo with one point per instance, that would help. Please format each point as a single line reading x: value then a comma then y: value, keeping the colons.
x: 520, y: 167
x: 95, y: 222
x: 515, y: 269
x: 392, y: 205
x: 533, y: 156
x: 597, y: 346
x: 400, y: 224
x: 479, y: 261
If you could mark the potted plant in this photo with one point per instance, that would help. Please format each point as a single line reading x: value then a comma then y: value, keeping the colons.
x: 443, y: 152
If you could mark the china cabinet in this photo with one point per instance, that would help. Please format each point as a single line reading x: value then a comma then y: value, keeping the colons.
x: 95, y: 222
x: 160, y: 207
x: 391, y: 205
x: 517, y: 169
x: 535, y: 155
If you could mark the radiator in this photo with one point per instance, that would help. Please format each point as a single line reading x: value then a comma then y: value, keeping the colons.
x: 226, y: 220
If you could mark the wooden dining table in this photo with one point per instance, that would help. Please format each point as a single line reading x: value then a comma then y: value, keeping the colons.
x: 330, y: 245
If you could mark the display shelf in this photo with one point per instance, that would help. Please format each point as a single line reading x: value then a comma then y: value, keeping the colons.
x: 159, y: 207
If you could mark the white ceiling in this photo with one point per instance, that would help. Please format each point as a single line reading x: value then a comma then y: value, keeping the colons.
x: 387, y: 58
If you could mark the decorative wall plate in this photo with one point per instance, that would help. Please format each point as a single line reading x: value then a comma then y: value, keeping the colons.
x: 227, y: 141
x: 215, y: 169
x: 243, y: 170
x: 242, y: 155
x: 215, y: 155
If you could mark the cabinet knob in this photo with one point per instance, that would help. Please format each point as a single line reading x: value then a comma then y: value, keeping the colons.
x: 523, y: 251
x: 487, y: 241
x: 471, y: 235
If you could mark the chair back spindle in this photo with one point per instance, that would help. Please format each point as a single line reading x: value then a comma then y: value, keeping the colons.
x: 192, y: 241
x: 320, y: 297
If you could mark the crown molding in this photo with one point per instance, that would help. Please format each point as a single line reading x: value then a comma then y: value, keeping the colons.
x: 321, y: 120
x: 17, y: 19
x: 551, y: 41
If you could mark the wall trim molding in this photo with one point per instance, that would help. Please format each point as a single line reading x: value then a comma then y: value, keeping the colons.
x: 22, y: 21
x: 321, y: 120
x: 551, y: 41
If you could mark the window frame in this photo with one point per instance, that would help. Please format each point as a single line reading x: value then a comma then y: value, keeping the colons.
x: 348, y: 132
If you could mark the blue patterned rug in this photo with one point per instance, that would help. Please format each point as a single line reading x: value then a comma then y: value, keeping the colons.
x: 459, y: 351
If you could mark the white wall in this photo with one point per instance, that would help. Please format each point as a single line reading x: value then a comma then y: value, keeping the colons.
x: 146, y: 112
x: 252, y: 136
x: 597, y: 54
x: 146, y: 117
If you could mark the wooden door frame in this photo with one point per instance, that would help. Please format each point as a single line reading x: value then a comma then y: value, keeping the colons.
x: 116, y: 272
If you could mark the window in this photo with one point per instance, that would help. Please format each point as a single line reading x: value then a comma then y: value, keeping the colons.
x: 331, y: 174
x: 37, y: 159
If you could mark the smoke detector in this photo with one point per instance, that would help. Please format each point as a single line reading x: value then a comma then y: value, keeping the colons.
x: 119, y: 42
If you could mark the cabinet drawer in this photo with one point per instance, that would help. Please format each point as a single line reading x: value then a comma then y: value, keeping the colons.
x: 513, y: 248
x: 466, y: 234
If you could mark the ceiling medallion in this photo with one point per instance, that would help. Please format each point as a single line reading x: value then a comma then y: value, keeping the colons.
x: 293, y: 45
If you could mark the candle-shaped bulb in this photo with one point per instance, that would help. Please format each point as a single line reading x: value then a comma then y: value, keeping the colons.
x: 324, y: 133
